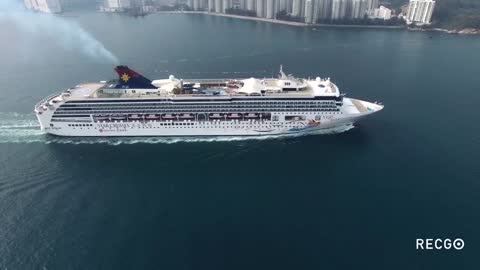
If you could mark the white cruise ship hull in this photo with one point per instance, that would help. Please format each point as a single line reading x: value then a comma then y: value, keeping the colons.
x: 133, y: 105
x: 313, y: 121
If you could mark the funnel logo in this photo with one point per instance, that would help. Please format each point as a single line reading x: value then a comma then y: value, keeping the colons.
x: 125, y: 77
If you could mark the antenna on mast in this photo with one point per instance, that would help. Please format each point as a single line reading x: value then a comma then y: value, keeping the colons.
x: 282, y: 74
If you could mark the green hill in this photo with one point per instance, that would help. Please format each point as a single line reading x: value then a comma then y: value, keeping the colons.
x: 457, y: 14
x: 451, y: 14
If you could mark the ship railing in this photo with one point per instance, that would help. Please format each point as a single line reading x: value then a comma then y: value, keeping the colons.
x: 47, y: 99
x: 214, y: 80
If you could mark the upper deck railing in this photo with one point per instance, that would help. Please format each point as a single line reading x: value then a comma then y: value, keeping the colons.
x: 48, y: 98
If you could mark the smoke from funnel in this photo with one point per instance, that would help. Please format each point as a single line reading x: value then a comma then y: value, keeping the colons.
x: 70, y: 35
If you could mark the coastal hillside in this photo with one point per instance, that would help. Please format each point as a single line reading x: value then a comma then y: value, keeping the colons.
x: 450, y: 14
x: 457, y: 14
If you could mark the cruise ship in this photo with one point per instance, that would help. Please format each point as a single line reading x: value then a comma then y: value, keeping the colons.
x: 133, y: 105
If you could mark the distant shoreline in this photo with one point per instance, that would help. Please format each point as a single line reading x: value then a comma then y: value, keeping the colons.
x: 323, y: 25
x: 281, y: 21
x: 463, y: 32
x: 357, y: 26
x: 236, y: 17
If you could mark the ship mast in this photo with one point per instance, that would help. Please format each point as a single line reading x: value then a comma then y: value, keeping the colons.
x: 282, y: 74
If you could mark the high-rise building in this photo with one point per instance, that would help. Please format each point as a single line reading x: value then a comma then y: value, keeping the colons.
x: 420, y: 11
x: 308, y: 11
x: 339, y: 9
x: 289, y: 6
x: 115, y: 5
x: 363, y: 8
x: 48, y: 6
x: 346, y: 8
x: 282, y: 5
x: 242, y: 4
x: 297, y: 8
x: 356, y: 11
x: 260, y: 8
x: 211, y: 5
x: 251, y: 5
x: 277, y: 7
x: 324, y: 8
x: 270, y: 14
x: 226, y: 5
x: 316, y: 11
x: 381, y: 13
x: 198, y: 4
x: 218, y: 6
x: 372, y: 4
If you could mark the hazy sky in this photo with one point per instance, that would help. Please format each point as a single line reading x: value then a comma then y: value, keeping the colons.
x: 68, y: 34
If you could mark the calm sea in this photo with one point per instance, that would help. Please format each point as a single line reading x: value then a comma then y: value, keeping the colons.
x: 353, y: 200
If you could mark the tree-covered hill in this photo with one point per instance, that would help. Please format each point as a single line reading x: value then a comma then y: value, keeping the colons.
x: 457, y: 14
x: 450, y: 14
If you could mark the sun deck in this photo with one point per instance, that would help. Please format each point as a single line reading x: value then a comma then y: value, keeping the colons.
x: 97, y: 91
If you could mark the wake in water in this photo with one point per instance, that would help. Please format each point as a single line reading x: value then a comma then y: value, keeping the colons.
x: 20, y: 128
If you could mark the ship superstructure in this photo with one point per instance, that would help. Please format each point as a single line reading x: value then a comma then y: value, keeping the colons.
x: 133, y: 105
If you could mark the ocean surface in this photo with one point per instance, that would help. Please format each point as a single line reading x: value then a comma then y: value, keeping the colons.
x: 355, y: 199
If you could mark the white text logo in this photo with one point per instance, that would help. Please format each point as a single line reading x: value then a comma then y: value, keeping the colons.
x: 438, y: 244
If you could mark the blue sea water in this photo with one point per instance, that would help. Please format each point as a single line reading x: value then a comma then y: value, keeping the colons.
x: 356, y: 199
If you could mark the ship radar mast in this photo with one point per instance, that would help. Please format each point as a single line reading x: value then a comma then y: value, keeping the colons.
x: 282, y: 74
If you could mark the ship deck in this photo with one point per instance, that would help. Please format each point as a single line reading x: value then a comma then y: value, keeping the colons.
x: 217, y: 89
x: 95, y: 91
x: 359, y: 105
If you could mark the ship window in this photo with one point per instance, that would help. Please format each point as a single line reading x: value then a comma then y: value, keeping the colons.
x: 294, y: 117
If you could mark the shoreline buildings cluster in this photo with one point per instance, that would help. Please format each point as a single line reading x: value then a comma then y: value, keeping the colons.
x: 115, y: 5
x: 305, y: 11
x: 420, y: 12
x: 47, y: 6
x: 308, y: 11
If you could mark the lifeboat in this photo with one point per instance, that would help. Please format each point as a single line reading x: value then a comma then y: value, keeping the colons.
x: 169, y: 116
x: 152, y: 117
x: 252, y: 116
x: 215, y: 116
x: 266, y: 116
x: 102, y: 117
x: 233, y: 84
x: 188, y: 86
x: 118, y: 117
x: 135, y: 117
x: 187, y: 116
x: 234, y: 116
